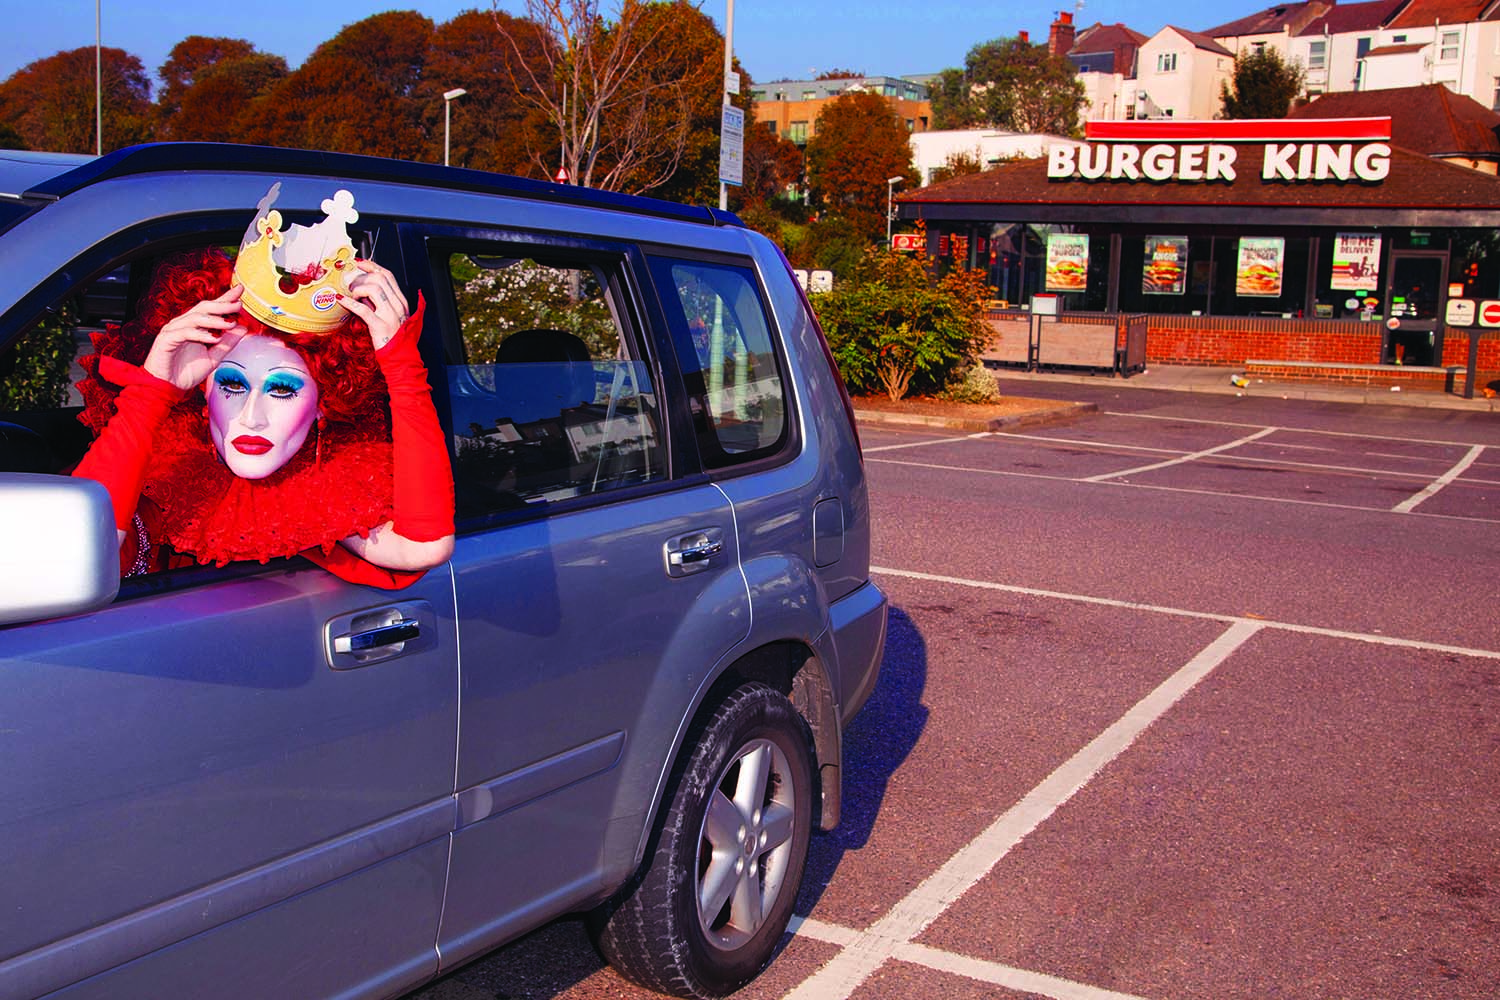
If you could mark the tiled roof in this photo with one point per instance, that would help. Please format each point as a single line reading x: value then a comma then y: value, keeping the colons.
x: 1416, y: 182
x: 1346, y: 17
x: 1430, y: 119
x: 1269, y: 21
x: 1422, y: 13
x: 1104, y: 38
x: 1201, y: 41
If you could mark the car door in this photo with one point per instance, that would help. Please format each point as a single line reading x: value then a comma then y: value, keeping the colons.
x: 597, y: 581
x: 200, y: 796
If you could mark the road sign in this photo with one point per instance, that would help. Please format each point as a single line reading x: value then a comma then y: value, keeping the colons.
x: 561, y: 176
x: 1489, y: 313
x: 732, y: 146
x: 1460, y: 312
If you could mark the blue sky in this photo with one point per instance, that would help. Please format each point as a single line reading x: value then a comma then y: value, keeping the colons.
x: 774, y: 39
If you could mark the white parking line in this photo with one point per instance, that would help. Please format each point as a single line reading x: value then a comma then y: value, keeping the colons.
x: 1191, y: 456
x: 921, y: 444
x: 889, y: 936
x: 1160, y: 609
x: 1408, y: 505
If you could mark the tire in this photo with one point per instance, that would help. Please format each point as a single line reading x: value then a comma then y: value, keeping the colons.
x: 707, y: 912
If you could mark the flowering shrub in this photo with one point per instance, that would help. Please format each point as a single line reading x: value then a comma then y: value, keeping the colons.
x: 892, y: 327
x: 975, y: 385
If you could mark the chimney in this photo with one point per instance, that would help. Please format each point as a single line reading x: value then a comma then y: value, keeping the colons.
x: 1060, y: 38
x: 1023, y: 37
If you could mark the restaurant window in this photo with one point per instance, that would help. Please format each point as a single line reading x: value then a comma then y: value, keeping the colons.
x: 1349, y: 279
x: 1317, y: 54
x: 1448, y: 46
x: 1166, y: 62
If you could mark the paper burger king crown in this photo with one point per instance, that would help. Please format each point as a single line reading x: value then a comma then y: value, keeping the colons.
x: 293, y: 278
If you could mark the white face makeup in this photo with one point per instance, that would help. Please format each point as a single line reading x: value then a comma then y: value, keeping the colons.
x: 262, y: 402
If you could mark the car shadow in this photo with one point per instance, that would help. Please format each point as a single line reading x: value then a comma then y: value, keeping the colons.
x: 876, y: 743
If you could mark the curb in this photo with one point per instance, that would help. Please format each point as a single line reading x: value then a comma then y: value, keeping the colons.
x: 1032, y: 418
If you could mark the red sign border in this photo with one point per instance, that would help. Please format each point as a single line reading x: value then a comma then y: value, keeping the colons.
x: 1242, y: 130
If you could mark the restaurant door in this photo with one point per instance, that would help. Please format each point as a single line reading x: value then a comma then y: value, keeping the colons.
x: 1414, y: 307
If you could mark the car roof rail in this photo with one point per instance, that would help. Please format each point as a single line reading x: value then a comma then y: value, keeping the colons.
x: 174, y: 157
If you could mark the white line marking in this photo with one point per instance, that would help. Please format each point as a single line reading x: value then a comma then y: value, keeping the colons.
x: 913, y: 914
x: 1004, y: 975
x: 1110, y: 602
x: 1288, y: 430
x: 1406, y: 506
x: 1185, y: 458
x: 949, y: 439
x: 1176, y: 489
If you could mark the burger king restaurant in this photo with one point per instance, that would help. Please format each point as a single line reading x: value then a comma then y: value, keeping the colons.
x: 1314, y: 247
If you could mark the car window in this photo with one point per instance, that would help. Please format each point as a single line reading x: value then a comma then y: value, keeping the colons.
x: 724, y: 347
x: 552, y: 401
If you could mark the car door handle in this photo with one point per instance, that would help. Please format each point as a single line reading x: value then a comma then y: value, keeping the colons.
x: 384, y: 635
x: 691, y: 553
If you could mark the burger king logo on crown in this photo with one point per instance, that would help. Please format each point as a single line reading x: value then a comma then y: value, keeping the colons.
x: 293, y: 279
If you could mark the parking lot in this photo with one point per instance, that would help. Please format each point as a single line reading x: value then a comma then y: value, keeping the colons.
x: 1189, y: 698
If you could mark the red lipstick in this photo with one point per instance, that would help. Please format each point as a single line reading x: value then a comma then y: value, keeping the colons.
x: 247, y: 444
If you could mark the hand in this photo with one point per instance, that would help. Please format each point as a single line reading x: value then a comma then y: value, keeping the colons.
x: 376, y: 298
x: 189, y: 347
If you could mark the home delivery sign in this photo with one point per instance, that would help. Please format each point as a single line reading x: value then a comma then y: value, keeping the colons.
x: 1296, y: 150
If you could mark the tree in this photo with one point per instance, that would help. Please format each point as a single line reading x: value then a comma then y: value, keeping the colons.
x: 209, y: 85
x: 51, y: 102
x: 354, y: 94
x: 1263, y: 86
x: 619, y: 124
x: 493, y: 126
x: 772, y: 164
x: 957, y: 164
x: 1011, y: 84
x: 858, y: 144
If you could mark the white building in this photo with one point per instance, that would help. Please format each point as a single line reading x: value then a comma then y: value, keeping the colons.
x: 991, y: 147
x: 1179, y: 74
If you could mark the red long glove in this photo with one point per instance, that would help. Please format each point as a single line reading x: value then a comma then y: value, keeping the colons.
x: 423, y: 491
x: 423, y: 486
x: 118, y: 457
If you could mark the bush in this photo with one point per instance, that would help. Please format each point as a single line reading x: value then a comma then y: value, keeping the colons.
x: 34, y: 372
x: 893, y: 328
x: 976, y: 384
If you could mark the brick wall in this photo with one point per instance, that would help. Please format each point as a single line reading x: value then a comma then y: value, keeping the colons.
x: 1233, y: 340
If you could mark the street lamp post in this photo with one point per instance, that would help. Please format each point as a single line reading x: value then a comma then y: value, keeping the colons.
x: 890, y: 189
x: 448, y: 98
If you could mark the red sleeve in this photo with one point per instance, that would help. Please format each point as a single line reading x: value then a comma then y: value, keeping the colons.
x: 351, y: 568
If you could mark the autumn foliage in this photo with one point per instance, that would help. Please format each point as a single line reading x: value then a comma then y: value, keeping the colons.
x: 858, y: 145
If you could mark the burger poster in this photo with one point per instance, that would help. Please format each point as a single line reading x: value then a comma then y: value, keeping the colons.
x: 1067, y: 262
x: 1356, y: 262
x: 1259, y: 270
x: 1164, y: 271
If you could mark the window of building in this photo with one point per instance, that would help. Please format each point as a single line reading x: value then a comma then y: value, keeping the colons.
x: 1258, y: 46
x: 551, y: 401
x: 809, y: 95
x: 1166, y: 62
x: 1495, y: 100
x: 797, y: 132
x: 771, y: 127
x: 911, y: 124
x: 1397, y: 39
x: 1448, y: 46
x: 1317, y: 54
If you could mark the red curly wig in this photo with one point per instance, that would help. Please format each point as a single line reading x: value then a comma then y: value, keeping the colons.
x: 351, y: 389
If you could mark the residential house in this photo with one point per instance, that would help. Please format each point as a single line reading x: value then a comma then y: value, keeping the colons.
x: 1332, y: 47
x: 1179, y: 74
x: 1272, y: 28
x: 1104, y: 56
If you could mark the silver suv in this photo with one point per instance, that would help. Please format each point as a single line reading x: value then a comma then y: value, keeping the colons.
x: 623, y: 695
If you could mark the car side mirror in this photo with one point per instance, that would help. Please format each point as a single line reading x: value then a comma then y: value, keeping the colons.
x: 59, y: 549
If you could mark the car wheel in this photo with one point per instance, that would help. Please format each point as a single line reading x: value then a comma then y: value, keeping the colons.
x: 708, y: 910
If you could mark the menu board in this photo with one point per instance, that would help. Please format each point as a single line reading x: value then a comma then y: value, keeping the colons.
x: 1067, y: 262
x: 1356, y: 262
x: 1164, y: 269
x: 1258, y: 272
